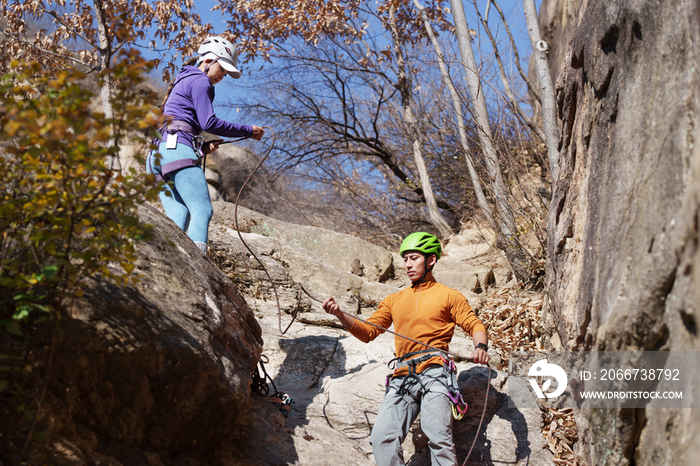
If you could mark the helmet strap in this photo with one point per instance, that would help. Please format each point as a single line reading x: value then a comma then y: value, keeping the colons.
x: 207, y: 66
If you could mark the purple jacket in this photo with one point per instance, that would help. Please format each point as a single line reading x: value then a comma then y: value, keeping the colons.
x: 191, y: 101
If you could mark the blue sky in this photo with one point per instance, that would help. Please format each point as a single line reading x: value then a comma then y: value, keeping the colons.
x: 228, y: 91
x: 512, y: 8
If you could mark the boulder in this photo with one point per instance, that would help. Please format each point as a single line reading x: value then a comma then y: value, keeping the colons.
x: 336, y: 249
x: 153, y: 372
x: 470, y: 263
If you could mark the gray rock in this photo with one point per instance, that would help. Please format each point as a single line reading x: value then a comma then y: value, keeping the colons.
x: 336, y: 249
x: 623, y: 256
x: 145, y: 372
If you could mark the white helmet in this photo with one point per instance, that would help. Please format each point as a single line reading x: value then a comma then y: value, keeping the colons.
x: 226, y: 54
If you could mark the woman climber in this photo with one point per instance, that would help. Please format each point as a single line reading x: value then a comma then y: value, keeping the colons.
x: 188, y: 111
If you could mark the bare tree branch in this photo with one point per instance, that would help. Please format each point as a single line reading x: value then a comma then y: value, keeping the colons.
x: 549, y: 109
x: 49, y: 52
x: 516, y: 60
x: 504, y: 80
x: 457, y: 104
x: 67, y: 26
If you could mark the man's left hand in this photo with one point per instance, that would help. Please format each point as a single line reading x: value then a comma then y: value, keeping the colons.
x: 480, y: 356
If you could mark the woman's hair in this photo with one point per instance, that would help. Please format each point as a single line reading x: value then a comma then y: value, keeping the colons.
x: 191, y: 62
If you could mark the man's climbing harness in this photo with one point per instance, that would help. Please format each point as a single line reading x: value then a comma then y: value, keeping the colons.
x: 411, y: 361
x: 459, y: 406
x: 260, y: 386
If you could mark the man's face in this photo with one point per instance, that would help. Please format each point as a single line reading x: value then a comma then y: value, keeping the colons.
x: 415, y: 264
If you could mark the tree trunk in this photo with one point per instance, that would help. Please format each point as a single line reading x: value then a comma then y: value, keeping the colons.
x: 404, y: 87
x: 105, y: 52
x: 457, y: 104
x: 105, y: 58
x: 507, y: 228
x: 549, y: 104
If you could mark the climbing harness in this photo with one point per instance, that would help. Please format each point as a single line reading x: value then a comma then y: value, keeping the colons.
x: 436, y: 351
x: 411, y: 361
x: 279, y: 399
x: 459, y: 406
x: 199, y: 145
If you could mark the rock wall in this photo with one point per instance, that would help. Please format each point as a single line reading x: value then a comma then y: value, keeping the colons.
x: 623, y: 261
x: 159, y: 373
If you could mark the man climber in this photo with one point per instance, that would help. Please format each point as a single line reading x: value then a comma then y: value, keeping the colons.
x: 424, y: 378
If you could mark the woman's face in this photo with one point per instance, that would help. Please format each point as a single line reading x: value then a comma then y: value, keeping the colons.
x: 216, y: 73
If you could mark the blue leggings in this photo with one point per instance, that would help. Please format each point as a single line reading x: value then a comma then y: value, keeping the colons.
x: 186, y: 201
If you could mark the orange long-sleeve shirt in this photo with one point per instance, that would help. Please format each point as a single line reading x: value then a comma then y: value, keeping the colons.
x: 427, y: 313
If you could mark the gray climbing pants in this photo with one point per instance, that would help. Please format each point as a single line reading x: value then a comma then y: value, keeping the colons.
x: 399, y: 410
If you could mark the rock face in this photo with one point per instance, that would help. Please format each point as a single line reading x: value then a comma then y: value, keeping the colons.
x: 623, y: 259
x: 155, y: 373
x: 159, y: 373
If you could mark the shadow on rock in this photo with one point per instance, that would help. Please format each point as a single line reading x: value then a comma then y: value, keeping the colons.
x: 503, y: 437
x: 307, y: 359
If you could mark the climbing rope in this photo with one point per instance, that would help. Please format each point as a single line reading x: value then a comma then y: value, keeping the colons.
x: 454, y: 356
x: 238, y: 230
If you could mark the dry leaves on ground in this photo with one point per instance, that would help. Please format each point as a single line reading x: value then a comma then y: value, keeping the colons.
x: 561, y: 433
x: 512, y: 320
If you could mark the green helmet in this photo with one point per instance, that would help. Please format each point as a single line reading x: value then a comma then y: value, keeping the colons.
x: 422, y: 242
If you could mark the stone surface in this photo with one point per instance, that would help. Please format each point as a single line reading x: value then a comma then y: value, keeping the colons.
x: 159, y: 373
x: 147, y: 373
x: 623, y: 255
x: 336, y: 249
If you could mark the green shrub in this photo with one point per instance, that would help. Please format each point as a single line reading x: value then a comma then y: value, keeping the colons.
x: 66, y: 213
